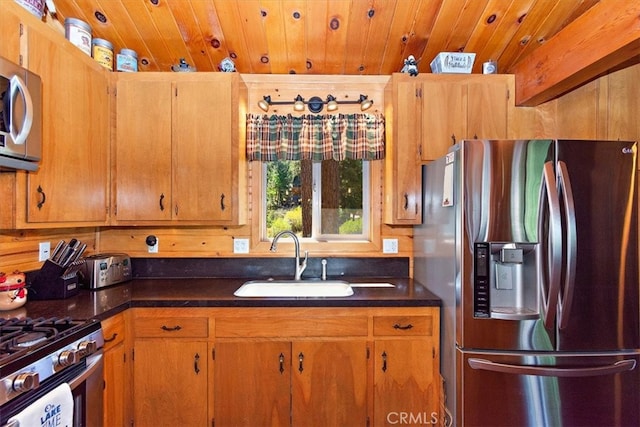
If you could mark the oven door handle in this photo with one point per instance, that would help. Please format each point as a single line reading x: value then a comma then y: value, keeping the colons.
x: 92, y: 366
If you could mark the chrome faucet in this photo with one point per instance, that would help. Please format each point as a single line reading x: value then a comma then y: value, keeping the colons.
x: 299, y: 267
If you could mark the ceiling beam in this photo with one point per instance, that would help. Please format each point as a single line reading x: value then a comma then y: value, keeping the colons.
x: 604, y: 37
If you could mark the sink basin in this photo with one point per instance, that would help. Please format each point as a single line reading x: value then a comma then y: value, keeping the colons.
x: 294, y: 288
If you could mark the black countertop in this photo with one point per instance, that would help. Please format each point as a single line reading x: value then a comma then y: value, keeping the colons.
x: 215, y: 292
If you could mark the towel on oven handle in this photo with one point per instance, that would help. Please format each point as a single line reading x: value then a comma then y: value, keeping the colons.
x: 53, y: 409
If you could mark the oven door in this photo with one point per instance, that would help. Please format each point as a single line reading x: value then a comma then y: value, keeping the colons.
x: 86, y: 382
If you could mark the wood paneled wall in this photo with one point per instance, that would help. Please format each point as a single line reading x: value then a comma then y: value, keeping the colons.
x: 19, y: 248
x: 606, y: 108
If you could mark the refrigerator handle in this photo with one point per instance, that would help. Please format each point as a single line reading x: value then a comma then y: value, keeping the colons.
x: 566, y: 296
x: 550, y: 286
x: 547, y: 371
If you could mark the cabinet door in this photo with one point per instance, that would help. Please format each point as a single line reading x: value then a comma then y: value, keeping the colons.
x: 403, y: 186
x: 116, y: 372
x: 170, y: 382
x: 329, y: 383
x: 202, y: 162
x: 71, y: 185
x: 444, y: 117
x: 487, y: 108
x: 405, y: 382
x: 115, y: 376
x: 252, y: 384
x: 9, y: 32
x: 143, y: 150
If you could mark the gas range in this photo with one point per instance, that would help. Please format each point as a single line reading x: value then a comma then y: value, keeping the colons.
x: 34, y: 352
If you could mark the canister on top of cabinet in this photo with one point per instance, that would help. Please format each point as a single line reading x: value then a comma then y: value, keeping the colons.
x: 78, y: 33
x: 127, y: 60
x: 102, y: 52
x: 36, y: 7
x: 490, y: 67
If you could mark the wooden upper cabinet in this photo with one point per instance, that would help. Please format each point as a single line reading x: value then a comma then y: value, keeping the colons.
x: 71, y: 186
x: 457, y: 107
x: 403, y: 178
x: 487, y: 107
x: 203, y: 141
x: 425, y: 116
x: 444, y: 116
x: 10, y: 31
x: 143, y: 150
x: 179, y: 148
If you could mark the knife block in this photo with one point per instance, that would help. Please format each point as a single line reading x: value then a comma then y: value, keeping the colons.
x: 51, y: 282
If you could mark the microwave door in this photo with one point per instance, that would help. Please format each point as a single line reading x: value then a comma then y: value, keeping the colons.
x: 16, y: 116
x: 20, y: 111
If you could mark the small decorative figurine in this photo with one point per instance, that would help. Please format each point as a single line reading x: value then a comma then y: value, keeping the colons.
x: 227, y: 65
x: 182, y: 67
x: 410, y: 66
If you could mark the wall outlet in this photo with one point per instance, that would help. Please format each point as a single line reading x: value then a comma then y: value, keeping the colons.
x: 153, y: 249
x: 389, y: 246
x: 240, y: 246
x: 44, y: 251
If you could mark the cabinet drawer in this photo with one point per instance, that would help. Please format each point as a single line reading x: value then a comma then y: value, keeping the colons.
x: 172, y: 327
x: 113, y: 330
x: 287, y: 326
x: 403, y: 325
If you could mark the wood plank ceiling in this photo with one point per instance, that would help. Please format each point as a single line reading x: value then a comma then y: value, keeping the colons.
x: 339, y: 37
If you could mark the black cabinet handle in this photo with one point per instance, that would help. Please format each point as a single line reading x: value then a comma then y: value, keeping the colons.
x: 406, y: 201
x: 113, y: 337
x: 281, y: 360
x: 162, y: 201
x: 300, y: 362
x: 171, y: 329
x: 43, y: 197
x: 403, y: 327
x: 384, y: 361
x: 196, y: 363
x: 222, y: 206
x: 453, y: 139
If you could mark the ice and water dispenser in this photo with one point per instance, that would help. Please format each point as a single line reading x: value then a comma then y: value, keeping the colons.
x: 506, y: 280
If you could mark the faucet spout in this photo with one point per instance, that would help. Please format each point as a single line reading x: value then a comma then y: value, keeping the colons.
x: 299, y: 267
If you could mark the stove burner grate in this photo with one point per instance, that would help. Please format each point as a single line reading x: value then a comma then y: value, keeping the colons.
x: 20, y: 335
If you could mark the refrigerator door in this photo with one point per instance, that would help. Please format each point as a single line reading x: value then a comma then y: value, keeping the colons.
x: 537, y: 389
x: 497, y: 199
x: 598, y: 304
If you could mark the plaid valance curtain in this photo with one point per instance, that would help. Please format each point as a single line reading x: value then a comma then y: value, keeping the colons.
x: 315, y: 137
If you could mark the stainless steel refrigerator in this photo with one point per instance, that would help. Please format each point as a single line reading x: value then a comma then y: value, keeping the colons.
x: 532, y: 245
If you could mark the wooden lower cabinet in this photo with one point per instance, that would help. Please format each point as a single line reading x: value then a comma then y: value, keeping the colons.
x: 406, y: 379
x: 116, y: 371
x: 310, y: 383
x: 170, y: 368
x: 170, y: 383
x: 406, y: 387
x: 285, y: 366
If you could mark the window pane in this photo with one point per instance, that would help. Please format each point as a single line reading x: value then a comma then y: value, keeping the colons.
x: 342, y: 202
x: 283, y: 201
x: 322, y: 200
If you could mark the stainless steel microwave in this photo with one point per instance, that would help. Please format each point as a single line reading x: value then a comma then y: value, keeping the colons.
x: 20, y: 117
